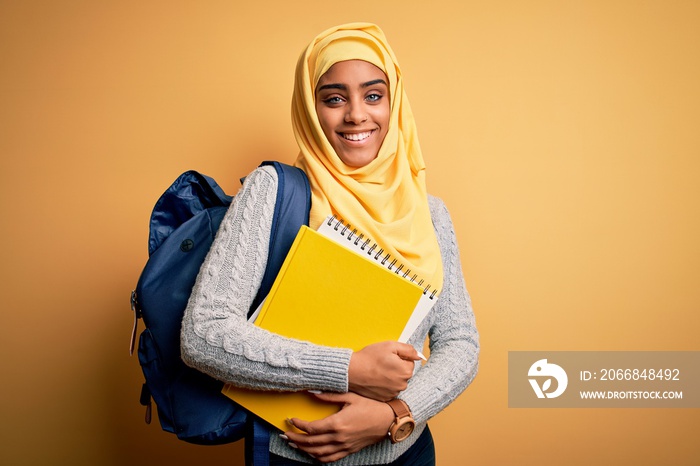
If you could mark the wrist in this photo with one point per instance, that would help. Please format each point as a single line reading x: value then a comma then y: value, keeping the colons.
x: 388, y: 417
x: 352, y: 373
x: 403, y: 424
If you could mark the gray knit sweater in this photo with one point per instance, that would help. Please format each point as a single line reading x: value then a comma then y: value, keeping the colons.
x: 217, y: 338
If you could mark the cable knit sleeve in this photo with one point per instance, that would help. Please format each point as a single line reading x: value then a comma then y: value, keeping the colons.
x: 217, y: 338
x: 454, y: 340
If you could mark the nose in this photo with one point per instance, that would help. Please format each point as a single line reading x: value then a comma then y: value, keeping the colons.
x: 355, y: 113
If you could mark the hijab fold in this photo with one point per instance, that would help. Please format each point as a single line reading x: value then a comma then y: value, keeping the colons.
x: 387, y: 198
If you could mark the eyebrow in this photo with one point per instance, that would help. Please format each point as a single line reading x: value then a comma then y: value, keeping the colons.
x: 343, y: 87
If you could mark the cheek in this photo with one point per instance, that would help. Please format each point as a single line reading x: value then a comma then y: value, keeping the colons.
x: 325, y: 118
x: 382, y: 117
x: 383, y: 114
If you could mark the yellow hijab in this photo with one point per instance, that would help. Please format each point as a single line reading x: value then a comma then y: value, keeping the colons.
x: 387, y: 198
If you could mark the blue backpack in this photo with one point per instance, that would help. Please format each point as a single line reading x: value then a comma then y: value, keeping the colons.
x: 182, y: 227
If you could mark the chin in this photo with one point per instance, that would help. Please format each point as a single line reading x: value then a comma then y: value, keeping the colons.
x: 357, y: 160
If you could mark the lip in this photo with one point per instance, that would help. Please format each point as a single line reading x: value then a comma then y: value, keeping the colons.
x: 356, y: 137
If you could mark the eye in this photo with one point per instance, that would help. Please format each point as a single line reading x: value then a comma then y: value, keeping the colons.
x: 374, y: 97
x: 332, y: 100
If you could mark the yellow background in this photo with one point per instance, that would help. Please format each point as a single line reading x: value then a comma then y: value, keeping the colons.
x: 563, y: 136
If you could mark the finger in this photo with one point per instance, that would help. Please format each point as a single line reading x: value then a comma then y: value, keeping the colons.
x: 308, y: 442
x: 300, y: 424
x: 321, y: 426
x: 318, y: 446
x: 408, y: 352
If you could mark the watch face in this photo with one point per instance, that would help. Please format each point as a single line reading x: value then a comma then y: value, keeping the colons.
x: 403, y: 431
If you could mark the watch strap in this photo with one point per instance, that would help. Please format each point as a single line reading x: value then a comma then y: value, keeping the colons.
x: 400, y: 408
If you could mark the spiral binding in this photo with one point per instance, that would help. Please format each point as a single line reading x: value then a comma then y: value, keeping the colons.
x: 362, y: 242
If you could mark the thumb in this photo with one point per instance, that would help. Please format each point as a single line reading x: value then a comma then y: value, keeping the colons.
x: 409, y: 353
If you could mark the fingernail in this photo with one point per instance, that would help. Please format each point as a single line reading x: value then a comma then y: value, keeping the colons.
x: 420, y: 355
x: 293, y: 445
x: 315, y: 392
x: 290, y: 422
x: 284, y: 437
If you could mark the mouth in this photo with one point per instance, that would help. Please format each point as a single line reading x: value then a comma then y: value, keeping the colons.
x: 357, y: 137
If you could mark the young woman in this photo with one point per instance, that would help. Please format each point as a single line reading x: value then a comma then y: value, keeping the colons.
x: 359, y: 148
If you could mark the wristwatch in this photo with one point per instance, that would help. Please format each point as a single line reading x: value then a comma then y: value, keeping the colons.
x: 404, y: 424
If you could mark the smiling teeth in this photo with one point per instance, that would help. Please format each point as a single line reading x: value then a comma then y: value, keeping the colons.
x: 357, y: 136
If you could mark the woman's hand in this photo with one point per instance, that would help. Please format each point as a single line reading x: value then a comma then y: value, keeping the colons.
x: 381, y: 370
x: 360, y: 422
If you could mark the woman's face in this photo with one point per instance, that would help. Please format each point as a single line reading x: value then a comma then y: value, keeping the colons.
x: 352, y: 103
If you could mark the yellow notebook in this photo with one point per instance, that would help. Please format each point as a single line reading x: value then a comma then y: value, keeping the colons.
x: 330, y: 295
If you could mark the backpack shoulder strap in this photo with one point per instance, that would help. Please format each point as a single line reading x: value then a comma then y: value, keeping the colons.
x: 291, y: 212
x: 292, y: 207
